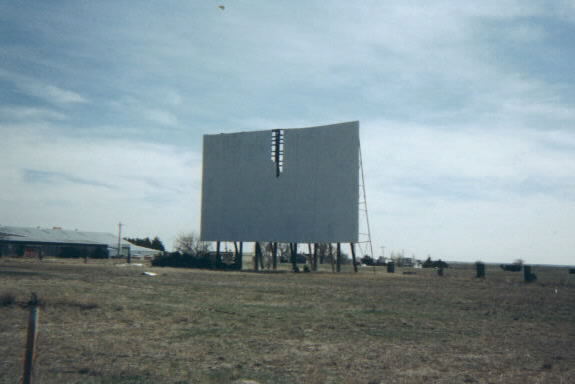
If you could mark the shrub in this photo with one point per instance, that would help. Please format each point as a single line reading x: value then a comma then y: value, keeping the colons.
x: 201, y: 260
x: 434, y: 263
x: 7, y: 299
x: 367, y: 260
x: 512, y: 267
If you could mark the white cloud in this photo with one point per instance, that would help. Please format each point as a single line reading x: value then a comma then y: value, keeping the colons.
x: 42, y: 90
x: 171, y: 97
x: 506, y: 157
x: 27, y: 114
x: 471, y: 193
x: 527, y: 34
x: 161, y: 117
x: 92, y: 185
x: 535, y: 229
x: 51, y: 93
x: 565, y: 9
x: 59, y: 95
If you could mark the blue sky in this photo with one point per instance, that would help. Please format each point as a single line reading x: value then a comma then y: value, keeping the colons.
x: 466, y: 110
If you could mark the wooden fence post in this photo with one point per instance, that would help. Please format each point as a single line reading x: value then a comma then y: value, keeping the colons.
x: 31, y: 339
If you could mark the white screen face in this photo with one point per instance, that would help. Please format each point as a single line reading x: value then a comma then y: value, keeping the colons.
x: 312, y: 197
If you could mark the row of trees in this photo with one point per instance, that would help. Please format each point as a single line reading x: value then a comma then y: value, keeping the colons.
x: 155, y: 243
x: 191, y: 243
x: 400, y: 262
x: 191, y: 252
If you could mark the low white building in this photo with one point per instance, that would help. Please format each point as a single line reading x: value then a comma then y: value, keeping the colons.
x: 58, y: 242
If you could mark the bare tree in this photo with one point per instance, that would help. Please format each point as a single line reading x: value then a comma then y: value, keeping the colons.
x: 323, y: 252
x: 284, y: 251
x: 191, y: 243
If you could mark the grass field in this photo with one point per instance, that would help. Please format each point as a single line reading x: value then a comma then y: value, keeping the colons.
x: 109, y: 324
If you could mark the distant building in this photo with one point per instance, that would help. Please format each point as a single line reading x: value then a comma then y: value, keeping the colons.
x: 402, y: 261
x: 57, y: 242
x: 141, y: 252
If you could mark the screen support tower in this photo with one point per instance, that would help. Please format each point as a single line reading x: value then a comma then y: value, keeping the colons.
x: 364, y: 242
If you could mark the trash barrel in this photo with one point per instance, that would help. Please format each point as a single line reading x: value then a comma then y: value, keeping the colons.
x: 480, y: 270
x: 527, y: 275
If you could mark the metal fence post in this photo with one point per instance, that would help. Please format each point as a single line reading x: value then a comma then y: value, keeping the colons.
x: 31, y: 339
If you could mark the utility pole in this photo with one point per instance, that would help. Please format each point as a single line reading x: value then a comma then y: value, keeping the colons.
x: 120, y: 241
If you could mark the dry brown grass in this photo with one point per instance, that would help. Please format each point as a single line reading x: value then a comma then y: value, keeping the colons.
x: 108, y: 324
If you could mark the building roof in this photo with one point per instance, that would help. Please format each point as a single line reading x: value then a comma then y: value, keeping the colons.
x: 137, y: 250
x: 56, y: 235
